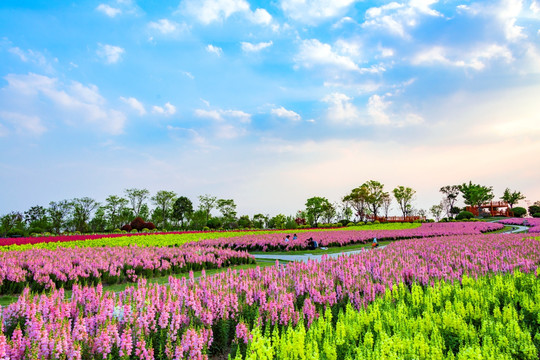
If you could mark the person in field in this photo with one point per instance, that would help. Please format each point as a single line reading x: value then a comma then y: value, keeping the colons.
x: 374, y: 244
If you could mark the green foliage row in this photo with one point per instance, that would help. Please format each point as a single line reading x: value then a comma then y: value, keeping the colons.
x: 180, y: 239
x: 492, y: 318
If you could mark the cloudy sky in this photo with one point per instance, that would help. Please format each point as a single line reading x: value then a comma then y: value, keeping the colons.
x: 267, y: 102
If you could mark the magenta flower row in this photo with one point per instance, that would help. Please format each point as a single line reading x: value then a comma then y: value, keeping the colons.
x: 276, y: 241
x: 176, y: 321
x: 65, y: 266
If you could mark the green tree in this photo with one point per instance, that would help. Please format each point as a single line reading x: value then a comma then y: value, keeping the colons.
x: 227, y: 208
x: 436, y: 211
x: 113, y: 208
x: 207, y: 203
x: 182, y: 210
x: 12, y: 223
x: 37, y: 219
x: 245, y: 222
x: 260, y: 221
x: 451, y: 193
x: 58, y: 212
x: 404, y: 196
x: 137, y: 198
x: 316, y: 207
x: 475, y: 194
x: 375, y: 196
x: 512, y: 197
x: 99, y: 221
x: 277, y: 222
x: 357, y: 199
x: 82, y: 212
x: 164, y: 199
x: 198, y: 220
x: 386, y: 203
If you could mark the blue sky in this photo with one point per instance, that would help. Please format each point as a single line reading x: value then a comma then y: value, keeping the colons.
x: 267, y: 102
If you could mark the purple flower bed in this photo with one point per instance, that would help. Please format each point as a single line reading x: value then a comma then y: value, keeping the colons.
x: 533, y: 223
x: 191, y: 319
x: 272, y: 242
x: 41, y: 268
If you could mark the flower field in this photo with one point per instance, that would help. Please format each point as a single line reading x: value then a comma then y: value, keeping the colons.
x: 533, y: 223
x: 162, y: 239
x: 41, y: 268
x: 264, y: 310
x: 272, y: 242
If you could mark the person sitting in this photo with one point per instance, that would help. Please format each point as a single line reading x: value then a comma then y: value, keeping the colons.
x: 374, y: 244
x: 287, y: 238
x: 312, y: 244
x: 294, y: 237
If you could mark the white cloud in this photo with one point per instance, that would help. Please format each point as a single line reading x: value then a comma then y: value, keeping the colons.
x: 108, y: 10
x: 167, y: 109
x: 73, y: 102
x: 188, y: 74
x: 535, y: 7
x: 24, y: 124
x: 261, y: 16
x: 135, y: 104
x: 377, y: 108
x: 286, y: 114
x: 395, y: 17
x: 214, y: 49
x: 249, y: 47
x: 222, y: 115
x: 167, y: 27
x: 31, y: 56
x: 313, y: 53
x: 508, y: 12
x: 208, y: 11
x: 341, y: 110
x: 111, y: 54
x: 314, y: 11
x: 476, y: 60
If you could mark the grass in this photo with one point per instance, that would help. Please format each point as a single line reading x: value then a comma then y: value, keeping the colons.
x: 9, y: 299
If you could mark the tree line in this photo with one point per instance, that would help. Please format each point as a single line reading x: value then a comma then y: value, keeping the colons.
x: 174, y: 212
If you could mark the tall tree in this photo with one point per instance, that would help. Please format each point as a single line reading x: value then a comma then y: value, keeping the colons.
x: 113, y: 209
x: 357, y: 199
x: 315, y: 208
x: 386, y: 204
x: 182, y: 209
x: 164, y: 199
x: 207, y: 203
x: 512, y: 197
x: 475, y: 194
x: 375, y: 196
x: 82, y: 212
x: 329, y: 213
x: 404, y: 196
x: 37, y: 219
x: 137, y: 198
x: 58, y: 212
x: 436, y: 211
x: 260, y: 221
x: 227, y: 208
x: 451, y: 193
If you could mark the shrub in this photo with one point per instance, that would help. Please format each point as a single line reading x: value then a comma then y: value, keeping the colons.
x: 137, y: 223
x: 126, y: 228
x: 519, y: 211
x: 464, y: 215
x: 534, y: 209
x: 149, y: 226
x: 376, y: 222
x: 537, y: 215
x: 351, y: 224
x: 206, y: 228
x: 117, y: 231
x: 134, y: 231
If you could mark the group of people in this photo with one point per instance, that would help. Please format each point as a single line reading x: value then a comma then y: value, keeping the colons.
x: 312, y: 244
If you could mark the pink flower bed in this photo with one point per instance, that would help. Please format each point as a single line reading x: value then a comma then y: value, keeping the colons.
x: 41, y: 269
x: 270, y: 242
x: 190, y: 319
x: 533, y: 223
